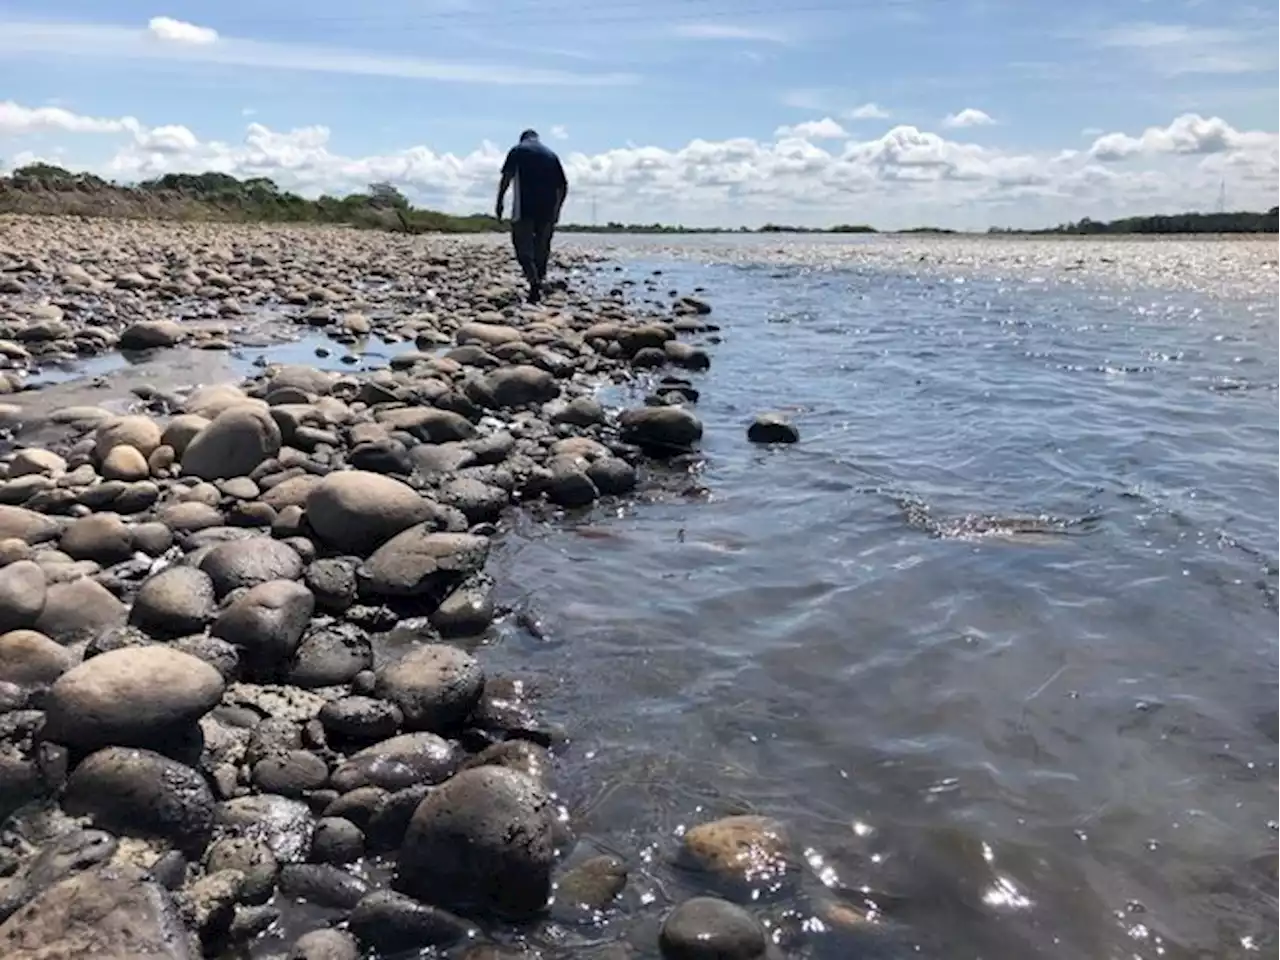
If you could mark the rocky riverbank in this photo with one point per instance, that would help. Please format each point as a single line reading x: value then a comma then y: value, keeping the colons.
x: 235, y: 616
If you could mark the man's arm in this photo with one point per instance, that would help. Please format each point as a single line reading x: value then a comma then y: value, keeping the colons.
x: 508, y: 173
x: 562, y: 188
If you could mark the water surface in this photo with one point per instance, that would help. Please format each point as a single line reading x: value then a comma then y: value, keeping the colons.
x: 997, y: 639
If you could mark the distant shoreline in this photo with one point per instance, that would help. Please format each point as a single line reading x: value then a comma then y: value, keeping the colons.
x: 45, y: 190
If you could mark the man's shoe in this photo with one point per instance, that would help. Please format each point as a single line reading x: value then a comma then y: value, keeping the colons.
x: 535, y: 293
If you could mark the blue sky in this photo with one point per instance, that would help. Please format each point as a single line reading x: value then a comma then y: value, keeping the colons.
x: 862, y: 96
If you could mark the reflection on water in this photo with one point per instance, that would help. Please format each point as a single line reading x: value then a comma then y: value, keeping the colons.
x: 993, y: 640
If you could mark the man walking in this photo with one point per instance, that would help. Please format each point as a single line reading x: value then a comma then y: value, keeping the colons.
x: 540, y: 189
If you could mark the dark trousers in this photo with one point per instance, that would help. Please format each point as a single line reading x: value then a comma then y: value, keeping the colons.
x: 532, y: 241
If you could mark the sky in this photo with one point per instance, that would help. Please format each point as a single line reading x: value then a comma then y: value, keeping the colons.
x: 898, y: 113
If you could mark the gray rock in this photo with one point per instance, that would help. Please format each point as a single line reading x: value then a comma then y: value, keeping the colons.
x: 358, y: 718
x: 613, y: 476
x: 191, y: 516
x: 252, y: 858
x: 143, y: 794
x: 569, y: 485
x: 772, y: 428
x: 290, y: 774
x: 580, y: 412
x: 147, y: 334
x: 62, y: 857
x: 336, y: 840
x: 293, y: 492
x: 109, y: 912
x: 434, y: 685
x: 285, y: 825
x: 706, y: 928
x: 138, y: 432
x: 520, y: 755
x: 686, y: 355
x: 267, y: 623
x: 232, y: 445
x: 181, y: 430
x: 420, y: 562
x: 468, y: 610
x: 79, y: 609
x: 427, y: 424
x: 177, y: 601
x: 28, y: 658
x: 330, y: 655
x: 249, y: 562
x: 513, y: 386
x: 219, y: 654
x: 322, y: 884
x: 483, y: 842
x: 333, y: 581
x: 355, y: 512
x: 661, y: 429
x: 397, y: 763
x: 325, y: 945
x: 125, y: 463
x: 390, y: 923
x: 17, y: 523
x: 589, y: 888
x: 431, y: 459
x: 138, y: 696
x: 22, y: 594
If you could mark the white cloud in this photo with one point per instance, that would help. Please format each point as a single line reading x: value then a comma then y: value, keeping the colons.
x: 905, y: 177
x: 559, y: 132
x: 16, y: 120
x: 868, y: 111
x: 968, y: 117
x: 824, y: 129
x: 730, y: 31
x: 1189, y: 134
x: 179, y: 31
x: 53, y: 40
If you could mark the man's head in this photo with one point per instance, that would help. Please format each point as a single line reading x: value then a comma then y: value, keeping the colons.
x: 529, y: 135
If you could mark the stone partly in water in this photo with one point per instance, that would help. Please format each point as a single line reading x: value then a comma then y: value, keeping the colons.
x: 146, y: 696
x: 669, y: 429
x: 744, y: 853
x: 705, y: 928
x: 772, y: 428
x: 481, y: 842
x: 422, y: 563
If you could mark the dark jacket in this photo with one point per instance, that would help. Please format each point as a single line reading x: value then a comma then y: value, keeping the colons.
x: 537, y: 179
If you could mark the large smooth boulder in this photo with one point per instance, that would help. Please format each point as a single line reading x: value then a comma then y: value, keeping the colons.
x: 141, y: 433
x: 355, y: 512
x: 181, y: 430
x: 481, y: 842
x: 397, y: 763
x: 108, y: 913
x: 267, y: 622
x: 22, y: 594
x: 661, y: 429
x: 102, y: 537
x: 390, y: 923
x: 745, y: 852
x: 434, y: 685
x: 18, y: 523
x: 144, y: 794
x: 78, y: 610
x: 28, y: 658
x: 513, y: 386
x: 177, y: 601
x: 148, y: 334
x: 488, y: 334
x: 421, y: 562
x: 249, y: 562
x: 233, y: 444
x: 144, y: 696
x: 428, y: 424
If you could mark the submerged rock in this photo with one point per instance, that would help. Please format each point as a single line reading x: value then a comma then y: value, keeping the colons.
x: 772, y: 428
x: 705, y: 928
